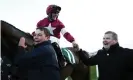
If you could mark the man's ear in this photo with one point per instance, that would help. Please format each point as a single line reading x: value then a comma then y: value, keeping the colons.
x: 115, y: 41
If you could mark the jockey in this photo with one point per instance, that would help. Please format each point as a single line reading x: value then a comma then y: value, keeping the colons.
x: 55, y: 26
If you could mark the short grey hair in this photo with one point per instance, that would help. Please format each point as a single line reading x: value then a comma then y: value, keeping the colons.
x: 114, y: 35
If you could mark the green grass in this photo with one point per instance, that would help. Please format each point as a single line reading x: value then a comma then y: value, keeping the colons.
x: 93, y: 73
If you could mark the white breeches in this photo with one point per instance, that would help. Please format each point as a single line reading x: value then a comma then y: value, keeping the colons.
x: 54, y: 39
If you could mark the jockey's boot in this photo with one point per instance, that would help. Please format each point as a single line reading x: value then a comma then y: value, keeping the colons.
x: 61, y: 58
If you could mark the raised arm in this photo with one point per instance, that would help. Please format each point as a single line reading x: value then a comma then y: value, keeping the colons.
x: 67, y: 35
x: 86, y: 58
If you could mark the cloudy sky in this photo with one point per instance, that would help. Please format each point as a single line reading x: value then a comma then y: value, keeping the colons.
x: 86, y: 20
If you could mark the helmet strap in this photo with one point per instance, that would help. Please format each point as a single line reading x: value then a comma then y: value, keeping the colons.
x: 50, y: 17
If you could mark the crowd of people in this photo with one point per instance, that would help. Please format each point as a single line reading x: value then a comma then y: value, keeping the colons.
x: 46, y: 59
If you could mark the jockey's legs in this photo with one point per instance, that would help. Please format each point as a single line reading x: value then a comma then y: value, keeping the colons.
x: 61, y: 58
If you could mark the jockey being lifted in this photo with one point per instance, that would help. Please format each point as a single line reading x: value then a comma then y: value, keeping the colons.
x: 55, y: 26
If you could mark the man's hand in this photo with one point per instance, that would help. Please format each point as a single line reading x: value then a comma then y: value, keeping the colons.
x: 75, y: 45
x: 22, y: 42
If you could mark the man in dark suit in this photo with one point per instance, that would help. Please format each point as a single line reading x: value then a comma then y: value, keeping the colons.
x: 114, y: 62
x: 41, y: 63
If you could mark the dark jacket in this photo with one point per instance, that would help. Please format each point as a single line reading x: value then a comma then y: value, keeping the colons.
x: 114, y: 64
x: 39, y: 64
x: 5, y: 68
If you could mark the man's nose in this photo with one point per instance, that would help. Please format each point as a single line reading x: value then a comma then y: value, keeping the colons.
x: 56, y: 14
x: 104, y: 40
x: 35, y: 37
